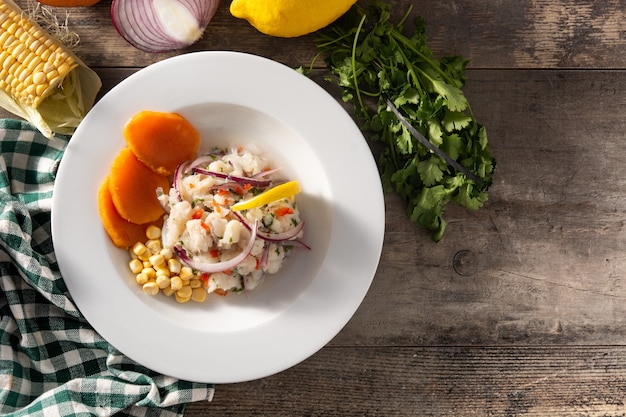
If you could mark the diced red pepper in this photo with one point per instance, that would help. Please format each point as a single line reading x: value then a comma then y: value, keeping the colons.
x: 283, y: 211
x: 197, y: 214
x: 220, y: 292
x: 214, y: 253
x: 205, y: 280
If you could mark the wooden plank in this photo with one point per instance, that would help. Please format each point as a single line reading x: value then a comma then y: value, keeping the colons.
x: 491, y: 33
x: 437, y: 381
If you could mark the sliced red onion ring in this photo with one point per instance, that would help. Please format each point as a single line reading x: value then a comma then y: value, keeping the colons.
x: 211, y: 268
x: 296, y: 242
x: 162, y: 25
x: 178, y: 178
x: 203, y: 160
x: 289, y: 235
x: 265, y: 255
x: 241, y: 180
x: 265, y: 173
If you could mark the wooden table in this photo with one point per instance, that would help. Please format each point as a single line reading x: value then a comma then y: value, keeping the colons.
x: 532, y: 322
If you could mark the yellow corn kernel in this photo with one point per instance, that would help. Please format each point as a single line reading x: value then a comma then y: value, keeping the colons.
x: 176, y: 283
x: 168, y: 292
x: 184, y: 292
x: 135, y: 266
x: 145, y: 256
x: 153, y: 232
x: 150, y: 288
x: 162, y: 271
x: 195, y: 283
x: 157, y: 260
x: 167, y: 254
x: 186, y: 273
x: 146, y: 264
x: 181, y: 299
x: 154, y: 246
x: 198, y: 295
x: 174, y: 265
x: 142, y: 278
x: 163, y: 282
x: 150, y: 272
x: 139, y: 249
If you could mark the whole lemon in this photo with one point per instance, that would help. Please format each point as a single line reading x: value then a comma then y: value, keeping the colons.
x: 289, y: 18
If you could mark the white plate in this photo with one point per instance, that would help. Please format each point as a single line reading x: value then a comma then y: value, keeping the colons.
x: 231, y: 98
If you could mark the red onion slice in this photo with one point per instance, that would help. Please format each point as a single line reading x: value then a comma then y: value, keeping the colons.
x: 203, y: 160
x: 211, y: 268
x: 272, y: 237
x: 241, y: 180
x: 162, y: 25
x: 179, y: 172
x: 266, y: 173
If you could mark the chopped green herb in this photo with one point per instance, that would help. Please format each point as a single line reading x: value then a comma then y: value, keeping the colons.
x: 196, y: 201
x: 372, y: 58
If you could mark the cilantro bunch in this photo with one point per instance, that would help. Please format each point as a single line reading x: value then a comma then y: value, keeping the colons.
x: 372, y: 59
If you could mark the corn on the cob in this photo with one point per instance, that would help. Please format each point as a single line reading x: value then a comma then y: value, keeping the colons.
x: 33, y: 66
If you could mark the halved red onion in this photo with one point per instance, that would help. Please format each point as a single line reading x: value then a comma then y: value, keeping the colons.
x: 255, y: 182
x: 162, y: 25
x: 211, y: 268
x: 289, y: 235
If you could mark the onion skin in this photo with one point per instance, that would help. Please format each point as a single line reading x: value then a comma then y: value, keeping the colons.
x: 138, y: 22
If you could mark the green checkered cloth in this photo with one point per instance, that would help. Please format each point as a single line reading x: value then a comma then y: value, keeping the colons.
x: 52, y: 362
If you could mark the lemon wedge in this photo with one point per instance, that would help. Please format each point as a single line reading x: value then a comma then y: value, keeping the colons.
x: 285, y: 190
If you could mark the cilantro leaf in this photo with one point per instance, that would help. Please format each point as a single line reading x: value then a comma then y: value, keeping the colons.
x: 454, y: 120
x: 431, y: 170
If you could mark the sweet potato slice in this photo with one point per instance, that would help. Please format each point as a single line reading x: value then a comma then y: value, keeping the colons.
x: 133, y: 189
x: 161, y: 140
x: 123, y: 234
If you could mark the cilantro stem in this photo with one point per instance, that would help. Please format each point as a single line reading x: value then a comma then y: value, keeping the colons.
x: 332, y: 41
x: 353, y: 58
x: 405, y: 17
x: 407, y: 63
x: 407, y: 42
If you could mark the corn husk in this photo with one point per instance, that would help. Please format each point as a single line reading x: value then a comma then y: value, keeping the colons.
x: 70, y: 87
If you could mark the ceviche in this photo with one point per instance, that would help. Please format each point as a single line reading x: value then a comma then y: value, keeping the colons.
x: 230, y: 220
